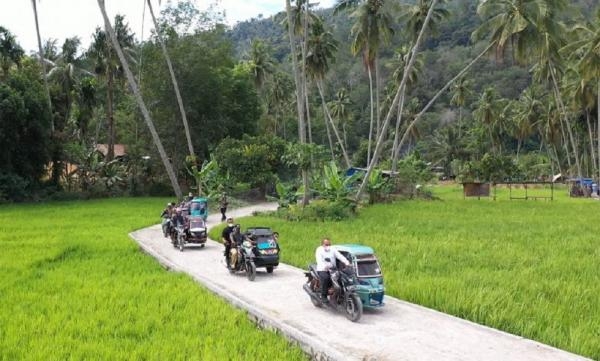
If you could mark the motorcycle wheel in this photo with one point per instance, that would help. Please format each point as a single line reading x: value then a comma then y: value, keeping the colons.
x: 269, y: 269
x: 180, y: 243
x: 251, y: 271
x: 353, y: 308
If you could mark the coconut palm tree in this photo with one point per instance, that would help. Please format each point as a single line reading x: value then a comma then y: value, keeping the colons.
x: 401, y: 88
x: 372, y: 28
x: 401, y: 59
x: 587, y: 52
x: 526, y: 112
x: 339, y: 109
x: 138, y: 97
x: 488, y: 113
x: 461, y: 90
x: 108, y: 66
x: 414, y: 15
x: 10, y: 51
x: 42, y: 63
x: 261, y: 62
x: 300, y: 103
x: 321, y: 50
x: 173, y: 80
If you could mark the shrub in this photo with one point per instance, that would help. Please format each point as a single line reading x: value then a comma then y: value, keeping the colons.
x: 13, y: 188
x: 319, y: 210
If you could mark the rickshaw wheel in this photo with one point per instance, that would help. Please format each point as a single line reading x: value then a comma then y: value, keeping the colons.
x: 269, y: 269
x: 353, y: 308
x: 251, y: 271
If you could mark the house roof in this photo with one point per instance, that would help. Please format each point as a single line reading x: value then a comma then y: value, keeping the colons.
x: 119, y: 149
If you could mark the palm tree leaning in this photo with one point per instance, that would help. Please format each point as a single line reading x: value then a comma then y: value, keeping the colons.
x: 300, y: 104
x: 401, y: 88
x: 321, y: 49
x: 401, y: 59
x: 42, y: 63
x: 173, y: 80
x: 138, y: 97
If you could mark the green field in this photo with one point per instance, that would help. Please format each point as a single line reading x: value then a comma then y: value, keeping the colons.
x: 531, y: 268
x: 73, y: 286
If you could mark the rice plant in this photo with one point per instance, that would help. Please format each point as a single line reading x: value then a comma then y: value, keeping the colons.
x: 530, y: 268
x: 74, y: 286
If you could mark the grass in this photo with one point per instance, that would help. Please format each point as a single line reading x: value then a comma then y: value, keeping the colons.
x: 73, y: 286
x: 530, y: 268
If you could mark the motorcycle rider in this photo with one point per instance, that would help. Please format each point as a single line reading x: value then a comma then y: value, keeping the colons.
x: 226, y: 238
x: 166, y: 216
x: 178, y: 219
x: 237, y: 238
x: 326, y: 257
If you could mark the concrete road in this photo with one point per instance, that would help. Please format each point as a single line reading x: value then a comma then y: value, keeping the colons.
x: 399, y: 331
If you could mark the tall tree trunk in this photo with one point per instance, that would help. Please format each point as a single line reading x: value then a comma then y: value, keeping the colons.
x: 440, y: 92
x: 328, y: 131
x: 138, y: 97
x: 372, y: 113
x: 333, y: 126
x: 377, y: 103
x: 395, y: 150
x: 564, y: 114
x: 307, y: 110
x: 43, y: 64
x: 402, y: 87
x: 110, y: 153
x: 173, y: 80
x: 590, y: 133
x: 299, y: 95
x: 598, y: 129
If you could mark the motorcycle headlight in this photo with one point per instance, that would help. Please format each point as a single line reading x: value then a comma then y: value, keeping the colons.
x: 247, y: 244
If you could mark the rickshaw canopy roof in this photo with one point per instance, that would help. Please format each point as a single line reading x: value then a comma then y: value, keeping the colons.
x: 355, y: 249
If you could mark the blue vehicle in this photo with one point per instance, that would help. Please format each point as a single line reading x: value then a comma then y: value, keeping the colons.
x: 370, y: 287
x: 199, y: 207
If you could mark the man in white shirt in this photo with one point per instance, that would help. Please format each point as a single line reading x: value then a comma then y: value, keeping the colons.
x: 326, y: 257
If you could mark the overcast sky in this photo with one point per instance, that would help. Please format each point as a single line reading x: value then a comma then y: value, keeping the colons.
x: 60, y: 19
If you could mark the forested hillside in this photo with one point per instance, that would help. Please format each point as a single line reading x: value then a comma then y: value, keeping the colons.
x: 369, y: 86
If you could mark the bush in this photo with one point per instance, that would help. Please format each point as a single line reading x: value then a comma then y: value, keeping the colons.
x: 13, y: 188
x: 319, y: 210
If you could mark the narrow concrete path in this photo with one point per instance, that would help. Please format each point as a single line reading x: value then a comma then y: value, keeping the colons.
x: 399, y: 331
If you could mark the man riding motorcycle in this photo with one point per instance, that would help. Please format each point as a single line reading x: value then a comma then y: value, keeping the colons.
x: 226, y: 238
x: 326, y: 257
x: 237, y: 238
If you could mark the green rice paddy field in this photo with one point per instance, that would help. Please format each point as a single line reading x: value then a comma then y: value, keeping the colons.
x: 73, y: 286
x: 531, y: 268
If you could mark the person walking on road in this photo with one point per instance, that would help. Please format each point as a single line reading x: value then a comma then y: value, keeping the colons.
x: 223, y: 205
x: 326, y: 257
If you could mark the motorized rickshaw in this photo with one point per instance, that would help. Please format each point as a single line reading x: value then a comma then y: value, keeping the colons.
x: 266, y: 252
x: 258, y: 249
x: 199, y: 207
x: 370, y: 287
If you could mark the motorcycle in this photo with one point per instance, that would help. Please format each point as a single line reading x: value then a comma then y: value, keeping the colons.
x: 178, y: 237
x: 242, y: 259
x: 166, y: 226
x: 342, y: 295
